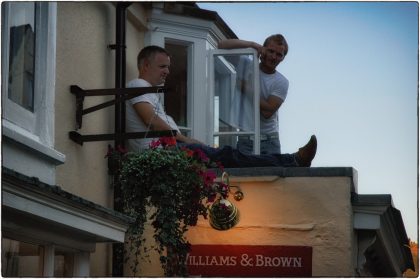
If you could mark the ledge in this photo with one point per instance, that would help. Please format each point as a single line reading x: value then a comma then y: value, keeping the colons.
x: 270, y: 173
x: 16, y: 135
x: 293, y: 172
x: 32, y: 184
x: 30, y: 201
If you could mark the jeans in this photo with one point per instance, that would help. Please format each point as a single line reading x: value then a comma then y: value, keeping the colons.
x: 268, y: 146
x: 233, y: 158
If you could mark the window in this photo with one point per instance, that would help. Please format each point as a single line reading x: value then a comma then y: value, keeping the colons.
x: 28, y: 68
x: 176, y: 101
x: 20, y: 259
x: 21, y: 54
x: 63, y: 263
x: 234, y: 91
x: 187, y: 40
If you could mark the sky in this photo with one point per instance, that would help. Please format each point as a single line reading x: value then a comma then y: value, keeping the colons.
x: 353, y: 82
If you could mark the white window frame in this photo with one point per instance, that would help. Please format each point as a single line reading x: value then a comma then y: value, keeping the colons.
x: 39, y: 124
x: 80, y: 265
x: 256, y: 132
x: 160, y: 38
x: 33, y: 129
x: 185, y: 129
x: 197, y: 34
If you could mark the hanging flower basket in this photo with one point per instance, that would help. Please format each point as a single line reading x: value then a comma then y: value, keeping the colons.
x: 179, y: 185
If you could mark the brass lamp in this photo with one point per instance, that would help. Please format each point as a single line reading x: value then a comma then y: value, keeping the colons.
x: 224, y: 214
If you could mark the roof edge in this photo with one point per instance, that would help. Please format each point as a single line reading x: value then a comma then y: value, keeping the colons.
x: 193, y: 10
x: 35, y: 186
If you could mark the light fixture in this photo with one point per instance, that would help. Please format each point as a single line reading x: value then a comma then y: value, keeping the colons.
x: 224, y: 214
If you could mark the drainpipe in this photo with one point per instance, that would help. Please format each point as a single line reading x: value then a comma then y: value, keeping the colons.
x: 120, y: 68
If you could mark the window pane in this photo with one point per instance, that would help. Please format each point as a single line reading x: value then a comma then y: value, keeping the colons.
x: 63, y: 264
x: 20, y: 259
x: 233, y: 97
x: 21, y: 54
x: 176, y: 99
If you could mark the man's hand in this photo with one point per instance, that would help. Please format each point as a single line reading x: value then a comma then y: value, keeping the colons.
x: 270, y: 105
x: 236, y: 43
x: 180, y: 137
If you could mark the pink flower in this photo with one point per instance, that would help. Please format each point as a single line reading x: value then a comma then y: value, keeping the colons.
x: 155, y: 144
x: 163, y: 141
x: 110, y: 151
x: 168, y: 141
x: 211, y: 197
x: 121, y: 149
x: 220, y: 166
x: 189, y: 152
x: 115, y: 152
x: 208, y: 177
x: 223, y: 189
x: 200, y: 155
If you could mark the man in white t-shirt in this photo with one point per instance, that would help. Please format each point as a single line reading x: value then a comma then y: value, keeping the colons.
x: 153, y: 63
x: 273, y: 90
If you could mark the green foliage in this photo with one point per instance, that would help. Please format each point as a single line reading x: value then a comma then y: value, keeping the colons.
x: 177, y: 186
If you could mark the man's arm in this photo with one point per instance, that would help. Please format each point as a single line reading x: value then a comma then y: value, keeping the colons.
x: 236, y: 43
x: 270, y: 105
x: 147, y: 114
x: 267, y: 106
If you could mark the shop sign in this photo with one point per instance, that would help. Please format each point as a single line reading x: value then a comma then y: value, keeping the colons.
x: 250, y: 261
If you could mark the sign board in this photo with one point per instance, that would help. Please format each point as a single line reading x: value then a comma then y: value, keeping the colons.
x: 250, y: 261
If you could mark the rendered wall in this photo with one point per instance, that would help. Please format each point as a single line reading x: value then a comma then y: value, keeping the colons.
x: 306, y: 207
x: 84, y: 32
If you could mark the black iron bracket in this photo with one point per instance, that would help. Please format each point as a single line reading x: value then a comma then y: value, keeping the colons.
x: 124, y: 94
x: 80, y: 139
x: 127, y: 93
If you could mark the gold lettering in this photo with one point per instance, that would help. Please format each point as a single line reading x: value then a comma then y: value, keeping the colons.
x: 297, y: 262
x: 214, y: 261
x: 232, y: 260
x: 285, y: 261
x: 259, y: 260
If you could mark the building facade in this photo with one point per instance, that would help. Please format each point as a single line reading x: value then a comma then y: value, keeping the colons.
x: 57, y: 196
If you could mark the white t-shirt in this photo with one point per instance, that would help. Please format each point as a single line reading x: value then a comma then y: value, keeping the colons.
x: 272, y: 84
x: 241, y: 114
x: 133, y: 121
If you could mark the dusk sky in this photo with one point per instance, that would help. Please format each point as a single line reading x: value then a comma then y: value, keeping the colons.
x: 353, y: 74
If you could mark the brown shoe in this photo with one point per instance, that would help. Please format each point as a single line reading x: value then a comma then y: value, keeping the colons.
x: 306, y: 154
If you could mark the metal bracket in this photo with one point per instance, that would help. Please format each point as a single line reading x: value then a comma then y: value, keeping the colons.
x: 126, y: 93
x: 122, y: 94
x: 80, y: 139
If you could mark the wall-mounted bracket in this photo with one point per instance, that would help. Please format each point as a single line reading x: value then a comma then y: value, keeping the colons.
x: 126, y: 93
x: 121, y: 94
x: 80, y: 139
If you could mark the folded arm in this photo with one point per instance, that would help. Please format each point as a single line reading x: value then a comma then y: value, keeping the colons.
x: 270, y: 105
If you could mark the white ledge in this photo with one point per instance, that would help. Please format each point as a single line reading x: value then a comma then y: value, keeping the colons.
x: 23, y: 137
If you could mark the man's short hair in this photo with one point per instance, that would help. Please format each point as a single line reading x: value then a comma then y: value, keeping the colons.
x: 278, y: 39
x: 148, y: 53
